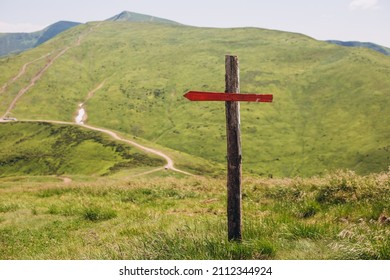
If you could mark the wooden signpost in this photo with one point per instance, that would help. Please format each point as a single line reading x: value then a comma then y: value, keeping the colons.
x: 233, y: 133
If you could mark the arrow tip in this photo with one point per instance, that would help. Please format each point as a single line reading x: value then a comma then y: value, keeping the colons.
x: 187, y: 95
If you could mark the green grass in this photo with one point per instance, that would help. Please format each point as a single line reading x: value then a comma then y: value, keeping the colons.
x: 184, y: 218
x: 330, y: 110
x: 46, y: 149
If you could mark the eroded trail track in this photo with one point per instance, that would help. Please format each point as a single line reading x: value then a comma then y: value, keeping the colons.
x: 33, y: 81
x: 39, y: 74
x: 169, y: 162
x: 21, y: 73
x: 81, y: 117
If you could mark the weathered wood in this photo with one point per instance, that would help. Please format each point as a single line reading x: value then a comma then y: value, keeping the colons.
x: 233, y: 133
x: 234, y: 155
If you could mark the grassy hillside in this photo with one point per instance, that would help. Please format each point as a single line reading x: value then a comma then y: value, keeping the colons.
x: 341, y: 216
x: 11, y: 43
x: 55, y: 29
x: 136, y: 17
x: 357, y: 44
x: 46, y: 149
x: 331, y: 104
x: 17, y: 42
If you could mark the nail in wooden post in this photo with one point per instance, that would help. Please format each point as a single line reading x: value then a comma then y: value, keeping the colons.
x: 234, y: 155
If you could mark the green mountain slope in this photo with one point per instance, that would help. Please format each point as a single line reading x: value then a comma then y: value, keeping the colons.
x: 53, y: 30
x: 331, y: 104
x: 47, y: 149
x: 375, y: 47
x: 11, y: 43
x: 136, y: 17
x: 17, y: 42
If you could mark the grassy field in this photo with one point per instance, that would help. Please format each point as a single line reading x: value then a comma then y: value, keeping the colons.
x: 70, y: 193
x: 330, y: 110
x: 58, y: 150
x: 338, y: 216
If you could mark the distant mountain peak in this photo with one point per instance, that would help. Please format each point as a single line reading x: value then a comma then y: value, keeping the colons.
x: 123, y: 16
x: 55, y: 29
x: 375, y: 47
x: 136, y: 17
x: 18, y: 42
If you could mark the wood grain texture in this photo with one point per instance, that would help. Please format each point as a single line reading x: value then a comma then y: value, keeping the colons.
x: 234, y: 155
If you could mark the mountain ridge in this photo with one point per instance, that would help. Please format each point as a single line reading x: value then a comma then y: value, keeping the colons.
x: 137, y: 17
x: 13, y: 43
x: 382, y: 49
x: 330, y: 110
x: 17, y: 42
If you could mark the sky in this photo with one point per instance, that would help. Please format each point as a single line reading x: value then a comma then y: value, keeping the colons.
x: 347, y: 20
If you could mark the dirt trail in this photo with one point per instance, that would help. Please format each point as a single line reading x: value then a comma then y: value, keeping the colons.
x: 21, y: 73
x: 170, y: 162
x: 40, y: 72
x: 33, y: 81
x: 81, y: 121
x: 82, y: 116
x: 92, y: 92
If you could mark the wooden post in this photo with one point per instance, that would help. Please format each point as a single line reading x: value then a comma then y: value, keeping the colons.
x: 233, y: 133
x: 234, y: 155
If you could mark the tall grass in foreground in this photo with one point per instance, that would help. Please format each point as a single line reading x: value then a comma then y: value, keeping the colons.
x: 340, y: 216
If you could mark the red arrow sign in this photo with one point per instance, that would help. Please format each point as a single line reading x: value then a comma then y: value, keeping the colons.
x: 219, y: 96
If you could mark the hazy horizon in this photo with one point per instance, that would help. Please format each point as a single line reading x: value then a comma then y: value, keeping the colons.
x: 346, y: 20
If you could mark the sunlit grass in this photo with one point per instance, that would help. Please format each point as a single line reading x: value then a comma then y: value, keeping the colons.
x: 330, y: 109
x: 184, y: 218
x: 45, y: 149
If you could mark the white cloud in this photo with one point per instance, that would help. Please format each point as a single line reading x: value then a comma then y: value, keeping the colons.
x: 6, y: 27
x: 363, y: 4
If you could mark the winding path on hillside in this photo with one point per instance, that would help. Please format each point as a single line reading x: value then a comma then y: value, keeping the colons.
x: 39, y: 74
x: 82, y: 115
x: 33, y: 81
x: 21, y: 73
x: 169, y: 162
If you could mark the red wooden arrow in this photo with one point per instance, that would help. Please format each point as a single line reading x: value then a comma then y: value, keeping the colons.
x: 219, y: 96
